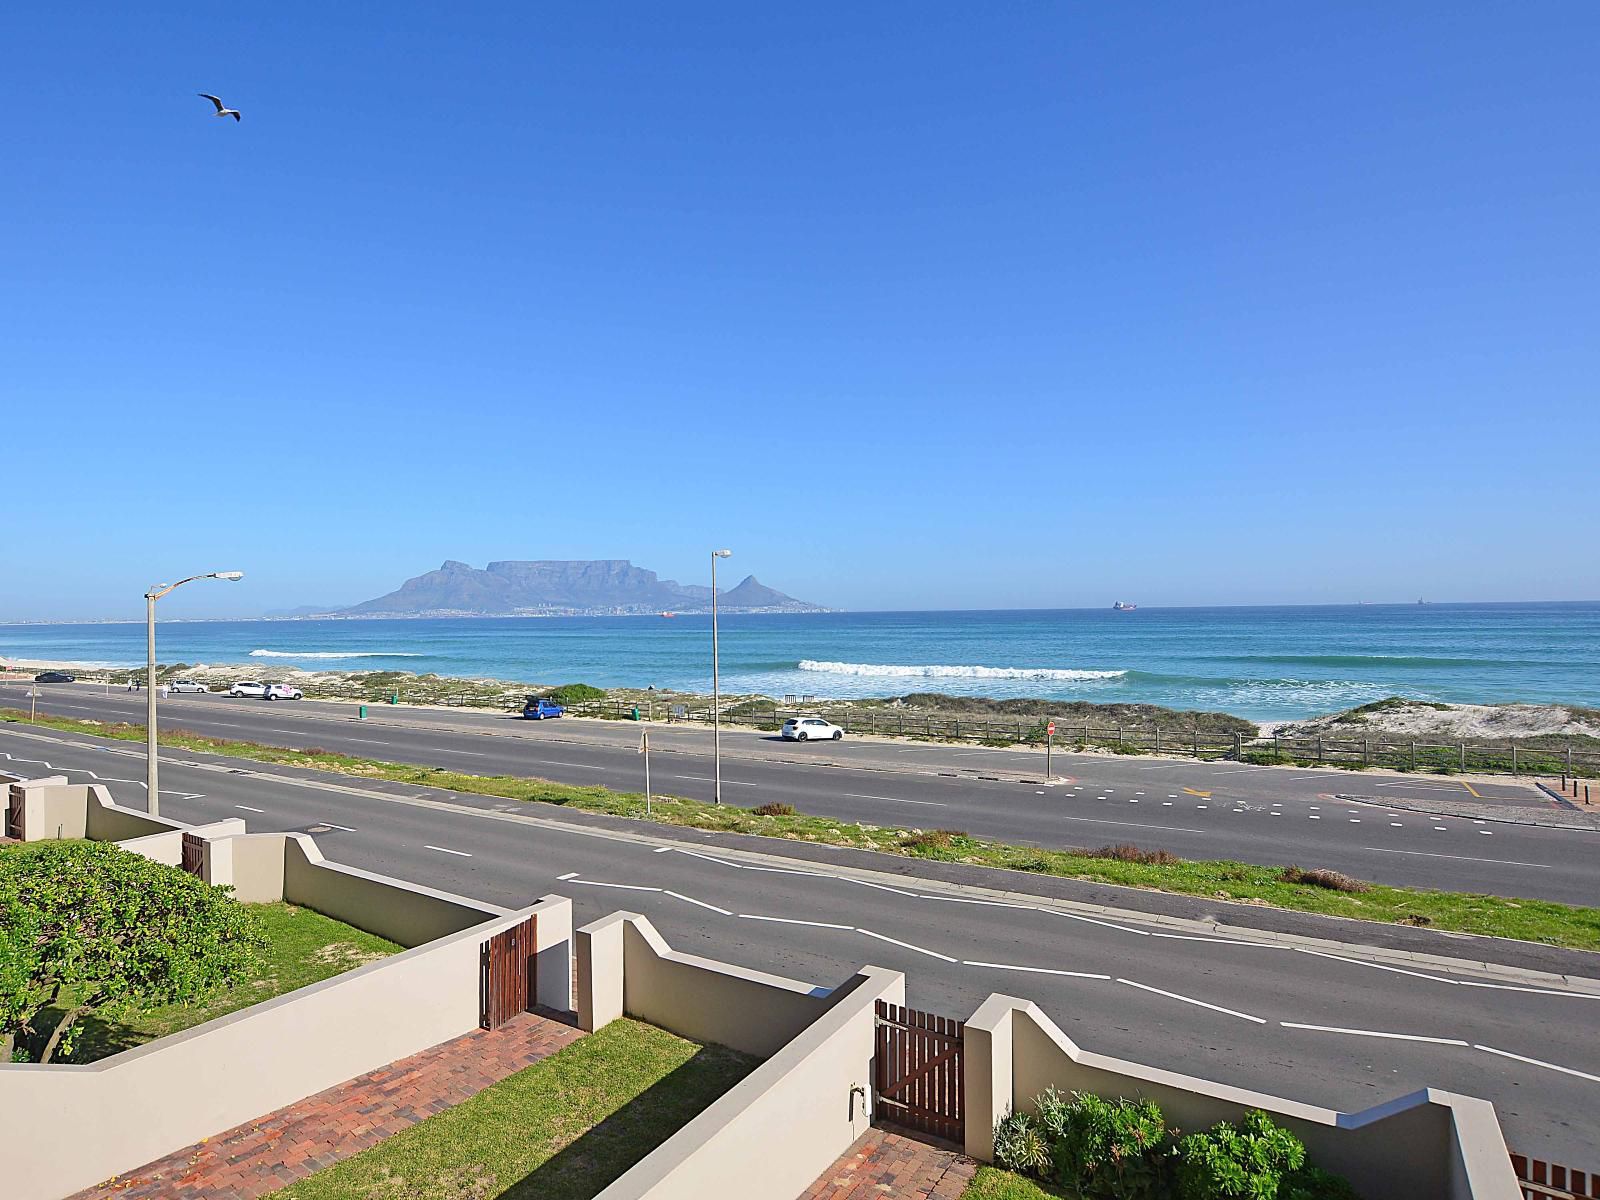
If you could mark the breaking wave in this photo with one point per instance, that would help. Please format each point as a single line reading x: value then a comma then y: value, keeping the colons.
x: 333, y: 654
x: 956, y: 672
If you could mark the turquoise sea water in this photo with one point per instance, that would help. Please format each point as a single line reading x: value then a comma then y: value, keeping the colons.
x: 1264, y: 663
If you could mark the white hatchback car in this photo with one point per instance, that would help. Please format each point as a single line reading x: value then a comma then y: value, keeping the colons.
x: 248, y: 687
x: 187, y: 685
x: 810, y: 729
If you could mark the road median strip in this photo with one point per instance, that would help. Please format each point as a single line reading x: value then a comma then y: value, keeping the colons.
x: 1539, y: 921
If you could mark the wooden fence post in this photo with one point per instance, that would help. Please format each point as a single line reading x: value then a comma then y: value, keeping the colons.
x: 1463, y: 748
x: 1413, y: 756
x: 1319, y: 748
x: 1119, y: 737
x: 1158, y: 739
x: 1513, y: 755
x: 1197, y: 741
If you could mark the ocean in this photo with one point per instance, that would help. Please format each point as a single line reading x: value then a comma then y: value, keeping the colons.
x: 1260, y: 663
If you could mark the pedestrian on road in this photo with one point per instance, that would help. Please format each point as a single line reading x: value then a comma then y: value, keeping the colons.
x: 163, y: 691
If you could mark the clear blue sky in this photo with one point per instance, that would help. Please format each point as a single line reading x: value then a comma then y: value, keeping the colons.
x: 913, y: 305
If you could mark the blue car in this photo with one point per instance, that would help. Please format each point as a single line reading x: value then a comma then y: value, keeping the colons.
x: 537, y: 708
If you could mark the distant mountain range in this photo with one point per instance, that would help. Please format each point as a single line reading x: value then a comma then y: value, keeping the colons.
x: 600, y: 587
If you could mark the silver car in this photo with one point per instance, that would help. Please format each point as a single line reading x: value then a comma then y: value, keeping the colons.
x: 187, y: 685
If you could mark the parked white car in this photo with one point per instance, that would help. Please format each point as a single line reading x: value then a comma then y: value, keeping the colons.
x: 810, y: 729
x: 282, y: 691
x: 187, y: 685
x: 248, y: 687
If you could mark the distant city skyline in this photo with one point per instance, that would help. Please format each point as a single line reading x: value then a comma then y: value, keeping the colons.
x: 913, y: 306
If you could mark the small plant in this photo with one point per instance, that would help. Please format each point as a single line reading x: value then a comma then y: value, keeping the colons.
x: 1128, y: 852
x: 1244, y: 1163
x: 1020, y: 1145
x: 1313, y: 1183
x: 1334, y: 881
x: 775, y: 808
x: 1107, y: 1149
x: 933, y: 841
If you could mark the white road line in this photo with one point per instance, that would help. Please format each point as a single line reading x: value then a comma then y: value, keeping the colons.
x: 907, y: 945
x: 1399, y: 1037
x: 1508, y: 862
x: 1421, y: 787
x: 701, y: 903
x: 331, y: 825
x: 552, y: 762
x: 897, y: 800
x: 567, y: 876
x: 884, y: 887
x: 621, y: 887
x: 247, y: 808
x: 447, y: 850
x: 1538, y: 1063
x: 662, y: 850
x: 794, y: 921
x: 986, y: 903
x: 1357, y: 962
x: 1056, y: 912
x: 1036, y: 970
x: 1145, y: 987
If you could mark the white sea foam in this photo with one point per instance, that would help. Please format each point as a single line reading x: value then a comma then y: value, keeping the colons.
x: 938, y: 671
x: 332, y: 654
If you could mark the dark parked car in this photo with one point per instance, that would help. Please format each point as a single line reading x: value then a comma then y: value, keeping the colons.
x: 54, y: 677
x: 537, y: 708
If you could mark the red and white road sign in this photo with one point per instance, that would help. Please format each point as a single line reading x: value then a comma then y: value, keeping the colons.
x: 1050, y: 728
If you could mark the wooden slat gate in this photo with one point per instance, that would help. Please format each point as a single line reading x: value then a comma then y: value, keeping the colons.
x: 1541, y: 1180
x: 506, y: 983
x: 14, y: 811
x: 193, y: 853
x: 918, y: 1071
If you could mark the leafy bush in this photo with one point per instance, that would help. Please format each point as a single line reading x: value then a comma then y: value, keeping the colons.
x: 1244, y: 1163
x: 1020, y: 1145
x: 776, y: 808
x: 1313, y: 1183
x: 1107, y: 1149
x: 87, y: 927
x: 935, y: 841
x: 574, y: 693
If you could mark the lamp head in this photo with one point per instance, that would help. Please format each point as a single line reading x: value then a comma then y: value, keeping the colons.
x: 721, y: 553
x: 230, y: 575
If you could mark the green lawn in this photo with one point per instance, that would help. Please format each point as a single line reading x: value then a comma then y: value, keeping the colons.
x: 1528, y: 920
x: 302, y: 947
x: 562, y: 1129
x: 991, y: 1183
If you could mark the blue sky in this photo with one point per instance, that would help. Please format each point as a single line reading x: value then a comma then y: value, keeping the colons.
x: 913, y: 305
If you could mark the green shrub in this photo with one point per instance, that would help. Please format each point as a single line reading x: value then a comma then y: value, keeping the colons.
x: 1244, y: 1163
x: 574, y: 693
x: 775, y: 808
x: 1313, y: 1183
x: 1107, y: 1149
x: 1020, y: 1145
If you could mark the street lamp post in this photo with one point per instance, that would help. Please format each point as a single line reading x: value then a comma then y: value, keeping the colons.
x: 716, y: 694
x: 152, y: 792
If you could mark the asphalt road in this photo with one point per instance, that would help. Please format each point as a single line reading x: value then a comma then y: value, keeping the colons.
x: 1333, y: 1029
x: 1266, y: 815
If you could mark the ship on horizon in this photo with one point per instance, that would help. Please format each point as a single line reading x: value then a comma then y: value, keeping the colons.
x: 1119, y: 606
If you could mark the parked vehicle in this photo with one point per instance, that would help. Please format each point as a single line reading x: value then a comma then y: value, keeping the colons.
x: 537, y: 708
x: 810, y: 729
x: 187, y: 685
x: 54, y: 677
x: 248, y: 687
x: 283, y: 691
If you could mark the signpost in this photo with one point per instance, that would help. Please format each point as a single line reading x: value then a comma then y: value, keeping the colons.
x: 1049, y: 738
x: 644, y: 749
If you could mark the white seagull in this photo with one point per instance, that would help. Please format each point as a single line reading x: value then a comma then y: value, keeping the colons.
x: 221, y: 111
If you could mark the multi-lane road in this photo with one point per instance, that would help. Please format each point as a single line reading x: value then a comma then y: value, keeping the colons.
x: 1344, y: 1025
x: 1270, y: 815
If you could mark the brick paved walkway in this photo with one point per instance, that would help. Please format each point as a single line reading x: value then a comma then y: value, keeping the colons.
x: 888, y: 1165
x: 281, y: 1147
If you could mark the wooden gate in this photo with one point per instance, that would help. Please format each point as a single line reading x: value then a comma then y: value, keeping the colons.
x: 918, y: 1071
x: 506, y: 983
x: 14, y: 811
x: 193, y: 853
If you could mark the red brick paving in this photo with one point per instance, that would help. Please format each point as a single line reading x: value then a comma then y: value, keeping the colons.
x: 282, y: 1147
x: 885, y: 1164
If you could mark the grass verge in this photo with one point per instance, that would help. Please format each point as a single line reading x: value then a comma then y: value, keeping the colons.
x: 1527, y: 920
x: 992, y: 1183
x: 562, y: 1129
x: 303, y: 947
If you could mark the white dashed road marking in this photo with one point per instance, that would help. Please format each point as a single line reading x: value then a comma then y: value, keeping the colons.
x: 1145, y: 987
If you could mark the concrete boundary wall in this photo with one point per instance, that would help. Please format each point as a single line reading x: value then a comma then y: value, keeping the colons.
x: 151, y: 1100
x: 54, y: 808
x: 774, y: 1132
x: 1430, y: 1143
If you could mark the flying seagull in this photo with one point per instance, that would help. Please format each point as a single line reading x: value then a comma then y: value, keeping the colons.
x: 221, y: 111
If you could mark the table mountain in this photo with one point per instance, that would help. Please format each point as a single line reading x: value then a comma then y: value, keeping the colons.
x: 564, y: 587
